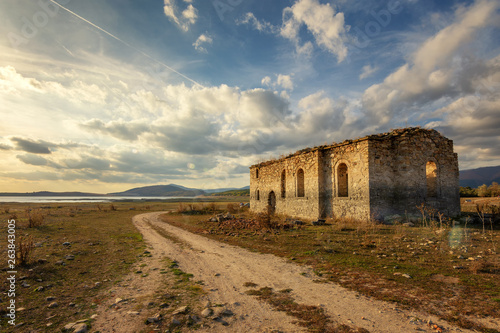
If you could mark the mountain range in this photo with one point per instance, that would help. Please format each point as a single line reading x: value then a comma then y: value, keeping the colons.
x: 171, y: 190
x: 480, y: 176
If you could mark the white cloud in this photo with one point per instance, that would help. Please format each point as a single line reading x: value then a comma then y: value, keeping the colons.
x: 266, y: 81
x: 257, y: 24
x: 187, y: 17
x: 321, y: 21
x: 435, y: 71
x: 282, y: 81
x: 285, y: 81
x: 367, y: 71
x: 204, y: 39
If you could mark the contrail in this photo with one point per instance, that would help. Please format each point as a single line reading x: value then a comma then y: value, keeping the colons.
x: 127, y: 44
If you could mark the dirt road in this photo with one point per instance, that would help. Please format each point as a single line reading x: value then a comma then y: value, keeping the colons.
x: 225, y: 269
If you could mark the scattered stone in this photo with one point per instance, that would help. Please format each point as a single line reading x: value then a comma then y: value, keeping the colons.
x: 50, y: 298
x: 97, y: 284
x: 69, y: 327
x: 217, y: 274
x: 71, y: 305
x: 471, y: 259
x: 67, y: 244
x: 460, y: 257
x: 164, y: 305
x: 193, y: 319
x: 42, y: 261
x: 408, y: 276
x: 118, y: 300
x: 60, y: 262
x: 156, y: 318
x: 408, y: 224
x: 133, y: 313
x: 227, y: 313
x: 70, y: 257
x: 175, y: 322
x: 53, y: 305
x: 181, y: 310
x: 94, y: 316
x: 80, y: 328
x: 20, y: 309
x: 26, y: 285
x: 206, y: 312
x: 458, y: 267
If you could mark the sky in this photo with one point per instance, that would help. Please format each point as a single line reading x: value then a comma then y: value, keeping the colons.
x: 105, y: 95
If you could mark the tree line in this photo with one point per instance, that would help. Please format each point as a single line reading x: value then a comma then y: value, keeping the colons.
x: 482, y: 191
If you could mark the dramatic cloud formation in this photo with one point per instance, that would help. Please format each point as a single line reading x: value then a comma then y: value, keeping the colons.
x: 434, y: 71
x: 84, y: 111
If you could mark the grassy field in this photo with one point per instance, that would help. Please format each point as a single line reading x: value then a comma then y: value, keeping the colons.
x: 79, y: 251
x: 450, y: 271
x: 453, y: 272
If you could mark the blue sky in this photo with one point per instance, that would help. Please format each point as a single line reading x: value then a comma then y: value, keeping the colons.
x: 103, y: 95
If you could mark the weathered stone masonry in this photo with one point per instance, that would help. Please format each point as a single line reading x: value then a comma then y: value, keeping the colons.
x: 375, y: 176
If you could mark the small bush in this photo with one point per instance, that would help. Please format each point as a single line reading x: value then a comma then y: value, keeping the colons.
x: 35, y: 218
x: 232, y: 208
x: 25, y: 248
x: 181, y: 208
x: 6, y: 210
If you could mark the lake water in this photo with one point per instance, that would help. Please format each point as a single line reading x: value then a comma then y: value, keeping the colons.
x: 40, y: 199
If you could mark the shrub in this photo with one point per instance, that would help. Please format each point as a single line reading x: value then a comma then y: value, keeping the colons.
x: 232, y: 208
x: 181, y: 208
x: 35, y: 218
x: 25, y: 248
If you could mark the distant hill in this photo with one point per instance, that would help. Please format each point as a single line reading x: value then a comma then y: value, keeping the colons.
x: 159, y: 191
x: 480, y: 176
x: 244, y: 191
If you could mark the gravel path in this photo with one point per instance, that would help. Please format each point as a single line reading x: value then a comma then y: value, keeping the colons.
x: 224, y: 269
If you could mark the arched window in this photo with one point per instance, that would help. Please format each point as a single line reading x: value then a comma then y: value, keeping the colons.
x: 271, y: 203
x: 300, y: 183
x: 283, y: 184
x: 257, y: 195
x: 343, y: 180
x: 431, y: 174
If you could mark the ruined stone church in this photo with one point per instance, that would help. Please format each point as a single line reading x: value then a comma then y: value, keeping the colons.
x: 371, y: 177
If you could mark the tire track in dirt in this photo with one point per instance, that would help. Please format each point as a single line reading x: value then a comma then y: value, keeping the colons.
x: 225, y: 268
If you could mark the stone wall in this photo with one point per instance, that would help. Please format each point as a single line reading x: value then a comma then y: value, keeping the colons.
x: 289, y: 202
x: 375, y: 176
x: 398, y: 177
x: 335, y: 201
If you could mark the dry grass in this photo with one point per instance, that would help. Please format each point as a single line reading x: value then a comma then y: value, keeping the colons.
x: 311, y: 317
x: 24, y: 249
x: 35, y: 218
